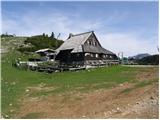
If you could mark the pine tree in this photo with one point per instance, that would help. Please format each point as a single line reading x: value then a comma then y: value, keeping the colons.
x: 52, y: 35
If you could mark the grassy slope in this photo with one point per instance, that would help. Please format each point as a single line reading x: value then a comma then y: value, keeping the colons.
x: 15, y: 81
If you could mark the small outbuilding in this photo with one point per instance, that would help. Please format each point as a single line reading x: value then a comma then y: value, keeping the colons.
x: 47, y: 54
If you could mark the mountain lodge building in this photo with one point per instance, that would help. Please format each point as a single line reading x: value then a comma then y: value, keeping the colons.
x: 84, y: 49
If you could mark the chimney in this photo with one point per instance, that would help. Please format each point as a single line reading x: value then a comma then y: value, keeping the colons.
x: 70, y: 35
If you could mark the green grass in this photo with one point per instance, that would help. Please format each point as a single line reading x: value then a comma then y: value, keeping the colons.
x: 15, y: 81
x: 145, y: 83
x: 139, y: 85
x: 127, y: 90
x: 32, y: 116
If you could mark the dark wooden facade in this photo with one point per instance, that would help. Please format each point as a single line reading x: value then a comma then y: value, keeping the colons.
x: 65, y: 56
x: 90, y: 51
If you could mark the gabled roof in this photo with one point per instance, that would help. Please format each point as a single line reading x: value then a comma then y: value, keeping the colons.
x: 97, y: 49
x: 45, y: 50
x: 76, y: 44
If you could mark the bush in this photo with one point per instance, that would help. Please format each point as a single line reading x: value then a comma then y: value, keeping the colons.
x: 27, y: 49
x: 6, y: 35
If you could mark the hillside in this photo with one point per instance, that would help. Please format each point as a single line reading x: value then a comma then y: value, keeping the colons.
x: 28, y: 44
x: 34, y: 43
x: 139, y: 56
x: 11, y: 43
x: 149, y: 60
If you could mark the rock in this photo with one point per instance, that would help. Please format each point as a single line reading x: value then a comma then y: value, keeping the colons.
x: 151, y: 98
x: 109, y: 112
x: 83, y: 116
x: 6, y: 116
x: 154, y: 116
x: 42, y: 85
x: 11, y: 111
x: 94, y: 112
x: 105, y: 114
x: 152, y: 101
x: 10, y: 104
x: 56, y: 71
x: 27, y: 90
x: 118, y: 108
x: 137, y: 103
x: 114, y: 111
x: 13, y: 83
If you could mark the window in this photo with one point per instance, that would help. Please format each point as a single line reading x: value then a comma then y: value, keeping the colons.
x: 95, y: 43
x: 90, y: 43
x: 87, y: 54
x: 97, y: 55
x: 92, y: 55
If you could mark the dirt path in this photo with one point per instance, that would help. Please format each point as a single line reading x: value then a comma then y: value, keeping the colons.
x: 140, y: 102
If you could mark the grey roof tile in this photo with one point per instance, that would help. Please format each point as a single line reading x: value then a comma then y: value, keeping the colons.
x: 76, y: 42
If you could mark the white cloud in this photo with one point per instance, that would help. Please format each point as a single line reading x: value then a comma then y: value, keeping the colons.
x: 33, y: 23
x: 128, y: 43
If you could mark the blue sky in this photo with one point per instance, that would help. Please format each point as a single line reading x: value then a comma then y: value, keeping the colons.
x: 131, y: 27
